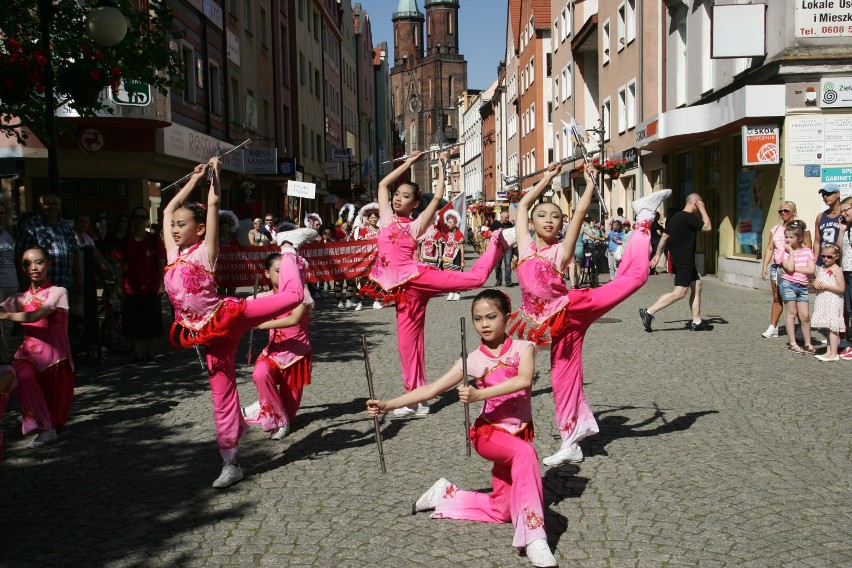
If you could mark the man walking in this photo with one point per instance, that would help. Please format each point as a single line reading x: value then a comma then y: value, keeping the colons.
x: 680, y: 233
x: 504, y: 268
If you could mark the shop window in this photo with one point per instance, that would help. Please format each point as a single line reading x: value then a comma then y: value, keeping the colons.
x: 753, y: 196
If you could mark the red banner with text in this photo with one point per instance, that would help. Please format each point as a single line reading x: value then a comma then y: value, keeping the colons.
x: 327, y: 262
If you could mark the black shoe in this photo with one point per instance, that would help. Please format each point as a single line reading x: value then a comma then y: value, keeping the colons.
x: 646, y: 319
x: 700, y: 326
x: 509, y: 284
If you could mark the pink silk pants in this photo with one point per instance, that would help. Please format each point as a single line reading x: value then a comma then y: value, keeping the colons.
x: 574, y: 418
x: 221, y: 354
x: 411, y: 317
x: 516, y: 495
x: 45, y: 397
x: 278, y: 402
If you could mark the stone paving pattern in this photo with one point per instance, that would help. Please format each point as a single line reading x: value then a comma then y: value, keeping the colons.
x: 716, y: 449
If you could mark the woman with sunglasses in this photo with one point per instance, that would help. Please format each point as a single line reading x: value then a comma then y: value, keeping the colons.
x: 772, y: 263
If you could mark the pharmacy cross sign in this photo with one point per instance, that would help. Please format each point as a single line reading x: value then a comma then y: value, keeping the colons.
x: 132, y: 93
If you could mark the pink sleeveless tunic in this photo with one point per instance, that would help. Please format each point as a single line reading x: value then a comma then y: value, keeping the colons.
x: 46, y: 340
x: 397, y: 256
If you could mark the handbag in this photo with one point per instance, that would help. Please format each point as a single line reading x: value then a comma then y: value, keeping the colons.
x: 619, y: 251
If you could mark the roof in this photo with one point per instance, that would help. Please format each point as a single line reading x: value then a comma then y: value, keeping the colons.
x: 407, y: 6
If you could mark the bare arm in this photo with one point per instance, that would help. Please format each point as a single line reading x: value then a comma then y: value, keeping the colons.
x: 521, y: 381
x: 660, y: 246
x: 211, y: 235
x: 178, y: 200
x: 817, y: 236
x: 420, y: 394
x: 767, y: 256
x: 522, y: 222
x: 27, y: 317
x: 705, y: 218
x: 290, y: 321
x: 569, y: 239
x: 429, y: 213
x: 384, y: 185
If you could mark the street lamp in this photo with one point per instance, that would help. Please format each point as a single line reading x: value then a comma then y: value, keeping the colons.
x: 106, y: 24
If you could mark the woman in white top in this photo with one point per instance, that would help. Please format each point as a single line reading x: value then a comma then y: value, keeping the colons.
x: 772, y: 263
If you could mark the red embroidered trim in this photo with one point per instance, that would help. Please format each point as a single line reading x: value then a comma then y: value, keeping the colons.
x: 215, y: 328
x: 484, y: 428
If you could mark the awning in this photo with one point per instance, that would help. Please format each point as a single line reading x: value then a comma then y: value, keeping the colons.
x: 684, y: 127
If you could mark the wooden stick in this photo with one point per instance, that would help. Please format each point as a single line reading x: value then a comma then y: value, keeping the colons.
x: 372, y: 392
x: 251, y: 333
x: 464, y: 381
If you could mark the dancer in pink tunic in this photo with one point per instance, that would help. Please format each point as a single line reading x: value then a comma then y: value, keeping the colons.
x: 7, y: 385
x: 42, y: 363
x: 202, y: 317
x: 284, y: 367
x: 551, y: 314
x: 502, y: 369
x: 398, y: 277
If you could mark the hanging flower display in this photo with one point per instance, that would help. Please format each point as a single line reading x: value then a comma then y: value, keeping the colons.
x: 612, y: 167
x: 87, y: 73
x: 22, y: 71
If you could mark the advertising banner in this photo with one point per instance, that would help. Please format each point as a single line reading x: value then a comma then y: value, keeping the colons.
x: 760, y: 145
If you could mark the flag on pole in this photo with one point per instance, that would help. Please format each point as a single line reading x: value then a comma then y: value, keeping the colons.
x: 459, y: 205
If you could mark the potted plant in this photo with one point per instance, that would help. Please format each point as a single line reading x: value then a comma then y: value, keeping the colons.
x: 514, y: 195
x: 22, y: 71
x: 613, y: 168
x: 84, y: 75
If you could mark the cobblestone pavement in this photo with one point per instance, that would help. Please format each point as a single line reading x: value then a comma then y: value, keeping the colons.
x: 716, y: 449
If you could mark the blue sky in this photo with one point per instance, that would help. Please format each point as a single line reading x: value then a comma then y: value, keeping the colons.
x: 482, y: 34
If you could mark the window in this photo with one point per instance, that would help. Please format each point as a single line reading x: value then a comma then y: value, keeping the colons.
x: 189, y: 77
x: 251, y: 111
x: 316, y: 26
x: 549, y: 113
x: 530, y: 29
x: 680, y: 64
x: 555, y: 94
x: 452, y: 88
x: 532, y: 117
x: 706, y: 62
x: 235, y: 101
x: 566, y: 20
x: 450, y: 23
x: 317, y: 83
x: 605, y: 118
x: 532, y: 164
x: 416, y: 35
x: 605, y: 42
x: 304, y: 141
x: 285, y: 60
x: 523, y: 80
x: 622, y: 110
x: 631, y: 104
x: 310, y: 74
x: 566, y: 82
x: 320, y: 156
x: 630, y: 20
x: 264, y: 35
x: 267, y: 119
x: 620, y: 30
x: 557, y: 146
x: 429, y: 25
x: 531, y: 72
x: 301, y: 8
x: 215, y: 89
x: 248, y: 16
x: 313, y: 148
x: 555, y: 33
x: 301, y: 67
x: 232, y: 7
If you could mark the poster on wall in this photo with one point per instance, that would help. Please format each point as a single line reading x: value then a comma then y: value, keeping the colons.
x: 802, y: 153
x: 841, y: 177
x: 760, y: 145
x: 749, y: 210
x: 815, y: 18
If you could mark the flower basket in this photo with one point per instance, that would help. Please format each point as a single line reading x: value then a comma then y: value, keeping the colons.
x: 612, y: 168
x: 85, y: 75
x: 21, y: 71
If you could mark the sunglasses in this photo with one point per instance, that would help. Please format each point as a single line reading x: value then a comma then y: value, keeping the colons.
x: 784, y: 211
x: 827, y: 256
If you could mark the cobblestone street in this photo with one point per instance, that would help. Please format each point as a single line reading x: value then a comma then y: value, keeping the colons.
x: 716, y: 448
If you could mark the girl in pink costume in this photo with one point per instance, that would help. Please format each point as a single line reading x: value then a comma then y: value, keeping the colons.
x: 502, y: 369
x: 202, y: 317
x: 284, y: 367
x: 552, y: 314
x: 397, y: 276
x: 42, y: 364
x: 7, y: 385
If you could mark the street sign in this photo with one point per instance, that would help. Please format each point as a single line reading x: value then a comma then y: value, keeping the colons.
x: 341, y: 154
x: 91, y: 140
x: 131, y: 93
x: 301, y: 189
x: 331, y: 168
x: 287, y: 166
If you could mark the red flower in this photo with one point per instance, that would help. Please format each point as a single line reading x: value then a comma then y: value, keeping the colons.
x: 95, y: 75
x: 12, y: 43
x: 40, y: 59
x: 99, y: 55
x: 116, y: 71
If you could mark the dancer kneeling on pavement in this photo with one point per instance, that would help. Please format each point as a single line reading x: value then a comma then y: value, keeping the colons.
x: 43, y: 364
x: 284, y: 366
x: 202, y: 317
x: 397, y: 276
x: 503, y: 370
x: 552, y: 314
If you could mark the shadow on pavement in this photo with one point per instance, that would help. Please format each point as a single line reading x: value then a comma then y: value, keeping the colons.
x: 559, y: 483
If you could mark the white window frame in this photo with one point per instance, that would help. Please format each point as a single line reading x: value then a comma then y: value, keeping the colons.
x: 631, y: 104
x: 605, y: 41
x: 566, y: 82
x: 532, y: 117
x: 189, y: 74
x: 630, y: 21
x: 215, y: 88
x: 531, y: 69
x: 555, y: 96
x: 606, y: 118
x: 621, y: 115
x: 621, y: 27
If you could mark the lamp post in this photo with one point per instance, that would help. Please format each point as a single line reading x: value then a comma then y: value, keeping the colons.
x: 107, y: 26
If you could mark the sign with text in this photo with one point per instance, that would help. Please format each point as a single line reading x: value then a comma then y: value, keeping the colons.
x: 840, y: 176
x: 823, y: 18
x: 341, y: 154
x: 237, y: 266
x: 760, y: 145
x: 819, y: 140
x: 837, y: 91
x: 301, y: 189
x: 260, y: 160
x: 339, y: 261
x: 131, y: 93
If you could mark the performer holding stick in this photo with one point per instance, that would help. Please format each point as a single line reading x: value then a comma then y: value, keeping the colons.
x: 464, y: 381
x: 372, y: 391
x: 503, y: 370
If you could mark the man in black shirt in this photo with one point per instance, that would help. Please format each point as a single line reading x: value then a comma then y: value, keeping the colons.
x: 680, y: 234
x: 504, y: 268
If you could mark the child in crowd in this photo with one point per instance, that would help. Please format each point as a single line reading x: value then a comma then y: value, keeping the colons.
x: 202, y: 317
x: 551, y: 313
x: 284, y: 367
x: 503, y: 371
x: 828, y: 306
x: 397, y: 276
x: 42, y: 364
x: 798, y: 263
x: 615, y: 239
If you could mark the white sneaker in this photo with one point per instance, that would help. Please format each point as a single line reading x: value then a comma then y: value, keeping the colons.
x: 251, y: 411
x: 422, y: 410
x: 771, y: 331
x: 645, y: 207
x: 43, y: 439
x: 539, y: 553
x: 430, y: 499
x: 567, y: 454
x: 231, y: 473
x: 296, y: 237
x: 405, y: 411
x: 377, y: 305
x: 280, y: 433
x: 340, y: 305
x: 359, y: 307
x: 451, y: 297
x: 458, y: 296
x: 349, y: 304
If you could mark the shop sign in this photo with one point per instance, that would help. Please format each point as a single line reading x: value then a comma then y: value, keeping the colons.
x: 260, y: 161
x: 819, y: 140
x: 287, y: 166
x: 823, y: 18
x: 837, y: 91
x: 131, y: 93
x: 760, y: 145
x: 840, y: 176
x: 502, y: 195
x: 182, y: 142
x: 331, y: 168
x: 301, y: 189
x: 213, y: 11
x: 647, y: 132
x: 341, y: 154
